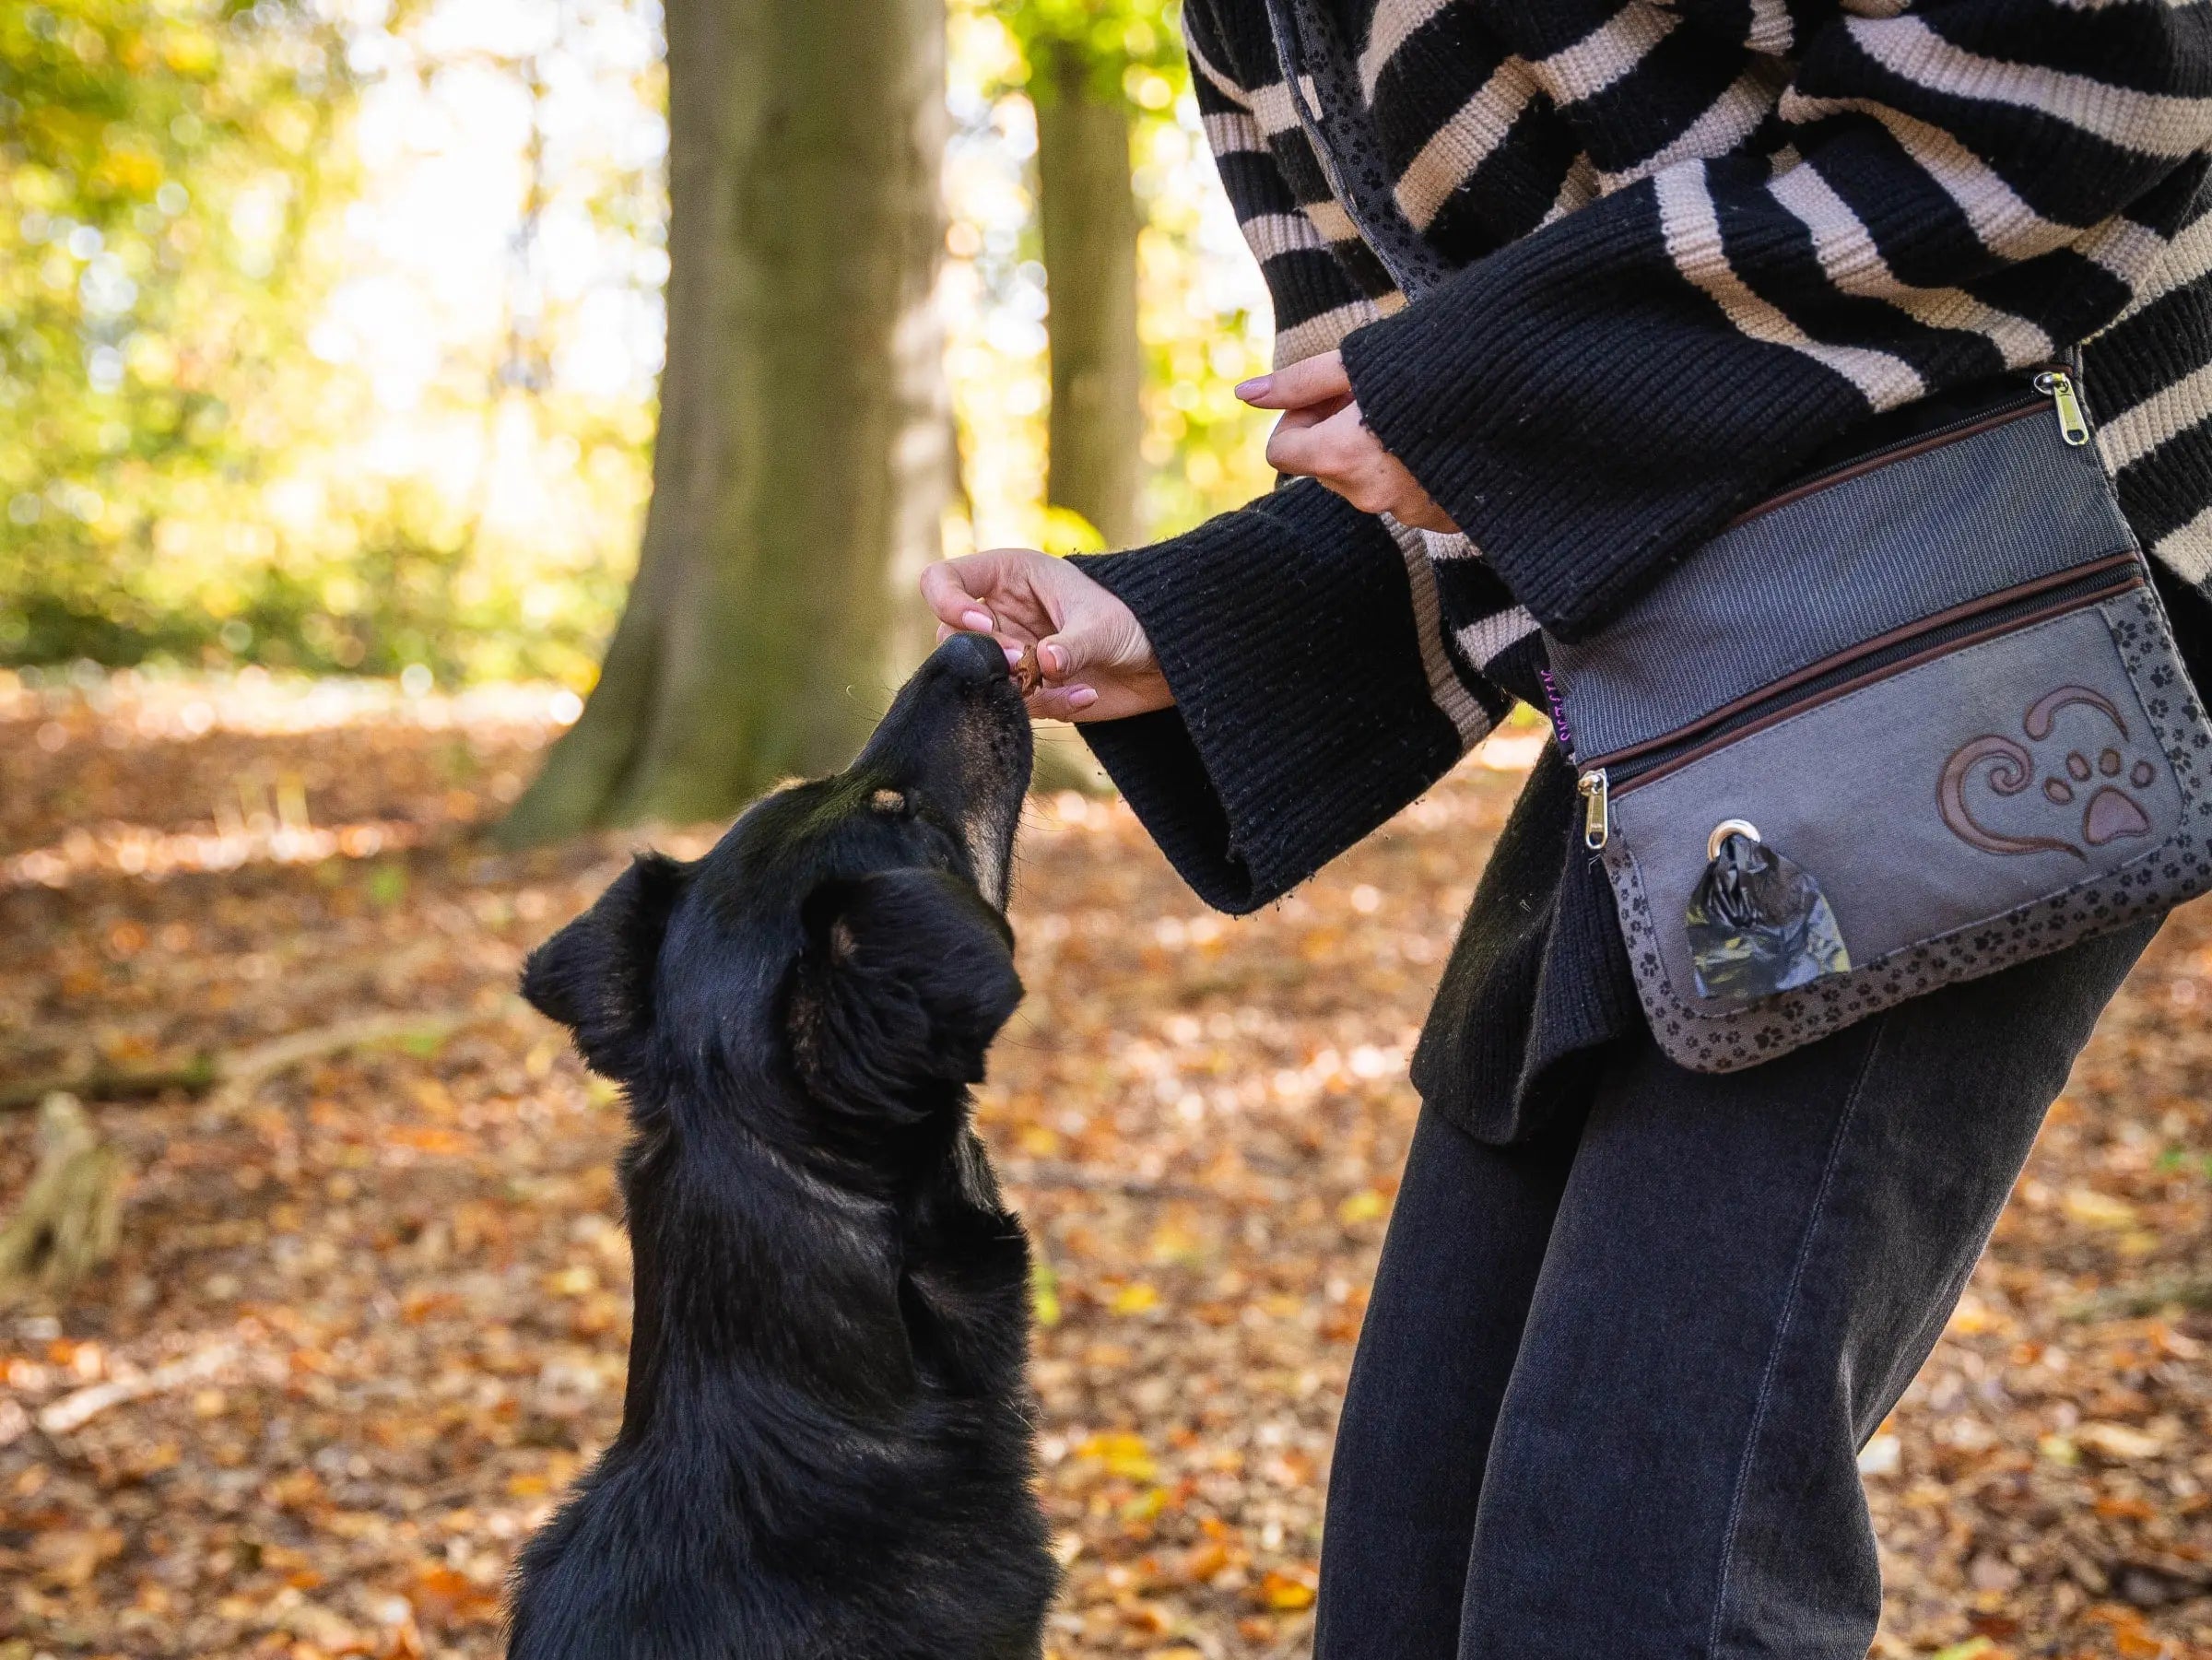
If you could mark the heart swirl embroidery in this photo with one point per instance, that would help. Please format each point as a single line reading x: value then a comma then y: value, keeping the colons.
x: 2111, y: 813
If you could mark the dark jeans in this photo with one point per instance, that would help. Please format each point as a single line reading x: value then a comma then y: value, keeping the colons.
x: 1613, y: 1382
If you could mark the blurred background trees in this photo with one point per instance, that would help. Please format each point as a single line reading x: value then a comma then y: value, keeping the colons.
x: 326, y: 331
x: 333, y: 333
x: 161, y: 166
x: 1089, y: 66
x: 804, y: 457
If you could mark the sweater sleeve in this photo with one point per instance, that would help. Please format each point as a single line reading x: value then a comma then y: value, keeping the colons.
x: 1307, y: 709
x: 1320, y: 285
x: 1967, y: 187
x: 1314, y: 695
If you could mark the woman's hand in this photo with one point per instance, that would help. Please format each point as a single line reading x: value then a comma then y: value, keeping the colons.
x: 1096, y: 663
x: 1321, y: 436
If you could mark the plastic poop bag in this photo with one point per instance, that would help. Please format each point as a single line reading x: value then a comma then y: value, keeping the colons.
x: 1758, y: 924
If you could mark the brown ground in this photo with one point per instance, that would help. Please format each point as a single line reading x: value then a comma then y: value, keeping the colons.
x: 369, y: 1317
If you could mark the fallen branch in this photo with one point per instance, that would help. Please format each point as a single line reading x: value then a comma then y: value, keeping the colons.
x: 75, y: 1410
x: 195, y: 1076
x: 236, y: 1071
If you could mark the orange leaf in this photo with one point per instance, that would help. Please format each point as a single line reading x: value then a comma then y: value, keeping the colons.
x: 1205, y: 1561
x: 428, y: 1138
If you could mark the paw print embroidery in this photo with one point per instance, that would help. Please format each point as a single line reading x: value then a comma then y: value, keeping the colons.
x: 2096, y: 782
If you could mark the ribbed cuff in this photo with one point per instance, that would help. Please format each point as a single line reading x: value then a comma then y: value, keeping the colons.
x: 1302, y: 715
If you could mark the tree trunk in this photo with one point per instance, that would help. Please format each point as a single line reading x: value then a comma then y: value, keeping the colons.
x: 802, y: 467
x: 1089, y: 220
x: 70, y: 1218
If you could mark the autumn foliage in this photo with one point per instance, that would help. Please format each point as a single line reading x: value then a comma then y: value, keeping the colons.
x: 370, y: 1314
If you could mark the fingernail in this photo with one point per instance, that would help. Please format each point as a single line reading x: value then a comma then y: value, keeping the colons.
x: 1013, y: 654
x: 1054, y: 658
x: 1081, y: 697
x: 977, y: 621
x: 1255, y: 387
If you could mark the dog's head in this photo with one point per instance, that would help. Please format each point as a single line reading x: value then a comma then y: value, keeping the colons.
x: 846, y: 937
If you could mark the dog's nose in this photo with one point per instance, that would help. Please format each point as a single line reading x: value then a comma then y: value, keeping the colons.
x: 962, y: 691
x: 970, y: 660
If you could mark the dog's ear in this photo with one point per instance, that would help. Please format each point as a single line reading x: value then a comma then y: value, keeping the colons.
x: 907, y: 977
x: 596, y: 976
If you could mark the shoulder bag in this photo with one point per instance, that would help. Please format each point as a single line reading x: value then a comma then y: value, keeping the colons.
x: 1915, y: 718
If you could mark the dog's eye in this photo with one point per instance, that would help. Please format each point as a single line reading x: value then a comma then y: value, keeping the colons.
x: 888, y: 801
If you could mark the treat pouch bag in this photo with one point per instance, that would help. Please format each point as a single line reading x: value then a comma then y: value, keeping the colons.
x: 1915, y: 718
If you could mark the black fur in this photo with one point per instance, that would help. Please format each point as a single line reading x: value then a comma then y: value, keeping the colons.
x: 825, y: 1451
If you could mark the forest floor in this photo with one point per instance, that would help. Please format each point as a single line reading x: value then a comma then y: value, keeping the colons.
x: 369, y: 1312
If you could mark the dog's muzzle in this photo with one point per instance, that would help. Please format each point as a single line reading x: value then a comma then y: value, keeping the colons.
x: 960, y: 735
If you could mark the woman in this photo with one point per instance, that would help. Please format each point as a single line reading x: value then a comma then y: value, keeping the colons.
x: 1559, y: 287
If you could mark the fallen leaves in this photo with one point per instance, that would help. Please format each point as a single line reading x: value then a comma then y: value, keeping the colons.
x: 1135, y: 1299
x: 2094, y: 1210
x: 2117, y: 1442
x: 69, y: 1557
x: 369, y: 1319
x: 444, y: 1597
x: 1363, y: 1207
x: 1122, y: 1454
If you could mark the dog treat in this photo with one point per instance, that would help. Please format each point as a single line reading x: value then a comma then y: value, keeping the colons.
x: 1029, y: 674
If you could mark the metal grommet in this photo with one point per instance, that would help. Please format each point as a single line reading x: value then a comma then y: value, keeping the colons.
x: 1725, y: 828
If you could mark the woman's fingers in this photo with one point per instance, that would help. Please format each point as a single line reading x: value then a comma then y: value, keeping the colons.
x: 1064, y: 656
x: 1096, y: 663
x: 1313, y: 414
x: 1110, y: 700
x: 1341, y: 453
x: 1062, y: 702
x: 1312, y: 381
x: 990, y: 592
x: 1024, y: 598
x: 1325, y: 450
x: 1097, y: 635
x: 946, y: 591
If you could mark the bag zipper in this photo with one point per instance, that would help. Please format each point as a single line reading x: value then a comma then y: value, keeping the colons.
x: 2023, y: 607
x: 1889, y: 655
x: 1596, y: 790
x: 2058, y: 386
x: 2052, y: 388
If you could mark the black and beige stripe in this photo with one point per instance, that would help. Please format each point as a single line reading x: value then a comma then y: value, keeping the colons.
x: 1766, y: 218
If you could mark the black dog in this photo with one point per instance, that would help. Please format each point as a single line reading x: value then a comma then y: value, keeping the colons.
x: 825, y: 1451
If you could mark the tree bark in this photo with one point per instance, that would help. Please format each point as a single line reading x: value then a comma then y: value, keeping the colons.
x: 1088, y: 215
x: 802, y: 467
x: 70, y: 1217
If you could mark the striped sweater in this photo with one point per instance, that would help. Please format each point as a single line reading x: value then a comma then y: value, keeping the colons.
x: 1604, y: 272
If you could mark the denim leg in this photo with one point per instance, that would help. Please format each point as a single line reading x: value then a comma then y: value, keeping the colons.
x: 1744, y: 1274
x: 1443, y: 1322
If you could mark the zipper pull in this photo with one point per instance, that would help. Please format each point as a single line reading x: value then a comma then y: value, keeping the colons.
x: 2058, y: 386
x: 1598, y: 818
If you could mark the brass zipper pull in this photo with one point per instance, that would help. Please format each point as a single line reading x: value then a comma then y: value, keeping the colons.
x: 2058, y: 386
x: 1597, y: 818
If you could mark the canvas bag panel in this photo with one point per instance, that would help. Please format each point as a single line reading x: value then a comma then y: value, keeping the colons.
x: 1937, y: 681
